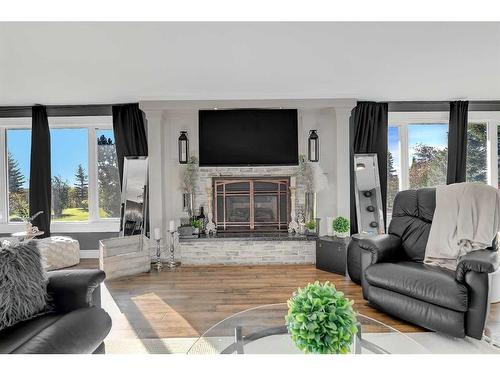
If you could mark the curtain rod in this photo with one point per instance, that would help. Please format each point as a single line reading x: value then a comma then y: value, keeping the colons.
x: 105, y: 109
x: 61, y: 110
x: 440, y: 106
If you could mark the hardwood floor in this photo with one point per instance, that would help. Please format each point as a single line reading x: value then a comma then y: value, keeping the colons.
x: 188, y: 301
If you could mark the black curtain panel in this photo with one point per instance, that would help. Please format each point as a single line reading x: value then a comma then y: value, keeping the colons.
x: 40, y: 175
x: 457, y: 142
x: 369, y: 135
x: 130, y: 137
x: 130, y: 133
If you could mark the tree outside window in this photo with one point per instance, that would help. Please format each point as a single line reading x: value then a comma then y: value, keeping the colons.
x: 477, y: 153
x: 427, y: 155
x: 69, y: 162
x: 18, y: 195
x: 18, y: 169
x: 108, y: 175
x: 393, y: 168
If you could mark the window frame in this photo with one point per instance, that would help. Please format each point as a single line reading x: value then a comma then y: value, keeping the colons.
x: 92, y: 124
x: 403, y: 119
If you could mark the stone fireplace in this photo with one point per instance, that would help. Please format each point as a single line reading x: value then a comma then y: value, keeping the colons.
x: 263, y: 178
x: 251, y: 207
x: 243, y: 204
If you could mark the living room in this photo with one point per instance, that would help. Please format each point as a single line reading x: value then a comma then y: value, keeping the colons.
x: 259, y: 188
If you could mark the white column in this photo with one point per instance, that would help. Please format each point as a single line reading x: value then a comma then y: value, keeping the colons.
x: 154, y: 120
x: 343, y: 113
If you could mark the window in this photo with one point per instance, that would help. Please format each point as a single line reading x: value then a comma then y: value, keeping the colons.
x: 393, y: 167
x: 418, y: 150
x: 477, y: 154
x: 85, y: 179
x: 417, y: 155
x: 18, y: 173
x: 108, y: 175
x: 427, y: 154
x: 70, y: 180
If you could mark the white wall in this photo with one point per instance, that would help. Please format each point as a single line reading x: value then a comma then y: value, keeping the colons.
x: 166, y: 120
x: 192, y: 60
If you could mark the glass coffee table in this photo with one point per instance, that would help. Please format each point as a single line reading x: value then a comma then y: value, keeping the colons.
x: 262, y: 330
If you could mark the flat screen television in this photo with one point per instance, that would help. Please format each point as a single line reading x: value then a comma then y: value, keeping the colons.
x: 251, y: 137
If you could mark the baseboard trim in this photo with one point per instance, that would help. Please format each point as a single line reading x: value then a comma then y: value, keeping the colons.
x: 89, y: 254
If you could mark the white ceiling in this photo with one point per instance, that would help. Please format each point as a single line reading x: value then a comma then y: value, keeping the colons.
x: 84, y: 63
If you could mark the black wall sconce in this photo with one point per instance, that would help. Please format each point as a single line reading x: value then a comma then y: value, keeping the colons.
x: 313, y: 146
x: 183, y: 148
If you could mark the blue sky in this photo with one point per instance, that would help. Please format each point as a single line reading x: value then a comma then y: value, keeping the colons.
x: 429, y: 134
x: 68, y: 148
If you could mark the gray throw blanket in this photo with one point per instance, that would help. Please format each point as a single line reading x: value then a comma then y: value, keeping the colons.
x: 467, y: 218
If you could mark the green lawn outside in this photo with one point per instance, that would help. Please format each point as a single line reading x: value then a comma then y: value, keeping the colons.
x: 69, y: 214
x: 77, y: 214
x: 73, y: 214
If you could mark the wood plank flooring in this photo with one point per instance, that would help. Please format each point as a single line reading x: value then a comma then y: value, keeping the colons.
x: 188, y: 301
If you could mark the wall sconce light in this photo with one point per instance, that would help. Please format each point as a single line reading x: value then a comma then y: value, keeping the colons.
x: 183, y: 148
x: 313, y: 146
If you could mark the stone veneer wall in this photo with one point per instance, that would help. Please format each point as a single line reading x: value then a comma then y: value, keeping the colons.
x: 247, y: 252
x: 207, y: 173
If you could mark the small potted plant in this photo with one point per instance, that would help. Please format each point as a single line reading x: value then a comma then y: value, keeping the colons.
x: 310, y: 228
x: 341, y: 227
x: 197, y: 224
x: 321, y: 320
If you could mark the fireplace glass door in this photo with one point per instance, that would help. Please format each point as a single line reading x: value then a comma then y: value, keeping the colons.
x: 251, y: 204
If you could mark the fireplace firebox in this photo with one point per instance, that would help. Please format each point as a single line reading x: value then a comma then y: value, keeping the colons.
x: 251, y: 204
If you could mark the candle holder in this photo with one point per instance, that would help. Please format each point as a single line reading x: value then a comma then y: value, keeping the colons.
x: 293, y: 226
x: 172, y: 264
x: 158, y: 265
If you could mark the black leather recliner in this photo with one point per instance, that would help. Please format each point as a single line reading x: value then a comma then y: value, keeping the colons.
x: 76, y: 326
x: 395, y: 280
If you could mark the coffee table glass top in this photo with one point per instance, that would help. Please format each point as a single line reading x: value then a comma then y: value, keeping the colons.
x: 262, y: 330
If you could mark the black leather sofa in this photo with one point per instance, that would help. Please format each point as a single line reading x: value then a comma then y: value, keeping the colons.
x: 77, y: 324
x: 394, y: 279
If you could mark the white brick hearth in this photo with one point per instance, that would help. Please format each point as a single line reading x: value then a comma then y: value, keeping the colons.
x: 246, y: 252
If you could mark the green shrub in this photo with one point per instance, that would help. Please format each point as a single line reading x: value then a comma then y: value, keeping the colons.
x: 311, y: 225
x: 321, y: 320
x: 197, y: 223
x: 341, y: 225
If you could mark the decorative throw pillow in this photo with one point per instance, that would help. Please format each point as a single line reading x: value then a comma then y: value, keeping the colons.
x: 23, y: 283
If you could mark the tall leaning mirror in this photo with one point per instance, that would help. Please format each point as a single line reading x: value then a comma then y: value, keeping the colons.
x: 369, y: 210
x: 134, y: 196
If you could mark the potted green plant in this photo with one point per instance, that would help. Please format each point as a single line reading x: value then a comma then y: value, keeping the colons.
x: 310, y: 228
x: 341, y: 226
x: 321, y: 320
x: 197, y: 224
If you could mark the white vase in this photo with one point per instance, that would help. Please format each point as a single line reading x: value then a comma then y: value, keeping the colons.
x: 342, y: 235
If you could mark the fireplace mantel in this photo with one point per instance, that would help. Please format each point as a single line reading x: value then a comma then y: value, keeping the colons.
x: 250, y: 236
